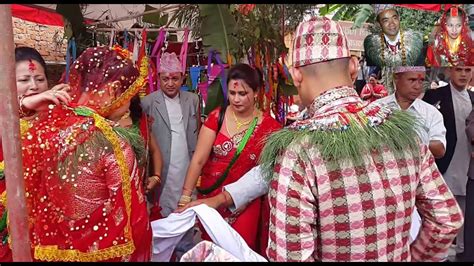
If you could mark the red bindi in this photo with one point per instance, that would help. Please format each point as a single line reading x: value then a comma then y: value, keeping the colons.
x: 235, y: 84
x: 420, y: 76
x: 31, y: 66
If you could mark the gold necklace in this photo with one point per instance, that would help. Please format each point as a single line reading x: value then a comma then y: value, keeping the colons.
x: 454, y: 47
x: 238, y: 123
x: 402, y: 44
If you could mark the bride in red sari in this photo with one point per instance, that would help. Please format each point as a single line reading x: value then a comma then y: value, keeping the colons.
x: 225, y: 153
x: 82, y: 171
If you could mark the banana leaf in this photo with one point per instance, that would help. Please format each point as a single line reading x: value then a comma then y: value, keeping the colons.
x: 365, y: 12
x: 218, y: 29
x: 154, y: 18
x: 329, y: 8
x: 73, y: 14
x: 215, y: 97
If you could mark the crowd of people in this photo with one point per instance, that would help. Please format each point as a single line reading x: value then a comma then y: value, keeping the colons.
x: 344, y: 181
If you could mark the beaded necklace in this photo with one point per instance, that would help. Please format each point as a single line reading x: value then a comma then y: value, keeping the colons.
x: 402, y: 44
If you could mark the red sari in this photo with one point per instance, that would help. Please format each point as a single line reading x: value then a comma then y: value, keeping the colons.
x: 5, y: 251
x: 84, y: 193
x: 246, y: 222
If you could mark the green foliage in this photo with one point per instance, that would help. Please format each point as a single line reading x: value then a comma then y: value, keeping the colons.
x: 155, y: 18
x: 397, y: 132
x: 215, y: 97
x: 418, y: 20
x: 75, y: 26
x: 218, y: 29
x: 364, y: 14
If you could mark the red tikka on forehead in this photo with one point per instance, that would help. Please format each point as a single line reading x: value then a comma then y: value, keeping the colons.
x: 31, y: 66
x: 235, y: 84
x: 454, y: 12
x: 421, y: 76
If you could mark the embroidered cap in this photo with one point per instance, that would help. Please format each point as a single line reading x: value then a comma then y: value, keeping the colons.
x: 170, y: 63
x: 379, y: 8
x: 317, y: 40
x: 402, y: 69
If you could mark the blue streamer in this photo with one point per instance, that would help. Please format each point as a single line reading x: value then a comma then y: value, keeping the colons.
x: 71, y: 48
x: 125, y: 39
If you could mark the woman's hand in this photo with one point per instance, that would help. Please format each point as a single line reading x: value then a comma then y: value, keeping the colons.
x: 57, y: 95
x: 213, y: 202
x: 151, y: 183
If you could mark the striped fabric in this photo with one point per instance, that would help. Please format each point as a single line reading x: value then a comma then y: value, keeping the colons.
x: 337, y: 211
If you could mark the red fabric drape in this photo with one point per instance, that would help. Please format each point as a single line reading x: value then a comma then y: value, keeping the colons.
x: 427, y: 7
x: 37, y: 15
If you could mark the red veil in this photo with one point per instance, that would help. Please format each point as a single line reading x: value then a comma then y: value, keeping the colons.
x: 464, y: 50
x: 84, y: 196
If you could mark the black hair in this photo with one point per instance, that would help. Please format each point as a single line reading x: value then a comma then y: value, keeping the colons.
x: 27, y: 53
x: 253, y: 77
x: 135, y: 109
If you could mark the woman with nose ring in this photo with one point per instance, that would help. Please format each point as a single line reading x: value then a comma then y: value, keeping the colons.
x: 452, y: 43
x: 224, y: 153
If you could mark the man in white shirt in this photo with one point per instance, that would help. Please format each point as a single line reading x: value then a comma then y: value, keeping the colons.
x: 408, y: 87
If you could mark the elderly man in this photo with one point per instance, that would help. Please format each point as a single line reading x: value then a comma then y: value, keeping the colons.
x: 408, y: 88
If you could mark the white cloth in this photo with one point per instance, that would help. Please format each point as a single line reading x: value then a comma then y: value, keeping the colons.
x: 168, y: 231
x: 179, y: 156
x: 206, y: 251
x: 456, y: 174
x: 431, y: 119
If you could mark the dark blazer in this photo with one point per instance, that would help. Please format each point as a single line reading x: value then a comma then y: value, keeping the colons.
x: 442, y: 99
x: 470, y: 138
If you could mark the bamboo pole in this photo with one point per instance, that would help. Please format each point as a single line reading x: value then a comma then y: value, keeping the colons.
x: 10, y: 131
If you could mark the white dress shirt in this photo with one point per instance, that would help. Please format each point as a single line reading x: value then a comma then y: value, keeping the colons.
x: 179, y: 156
x: 432, y: 125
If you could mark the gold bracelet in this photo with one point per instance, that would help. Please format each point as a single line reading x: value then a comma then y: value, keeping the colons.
x: 23, y: 111
x: 184, y: 199
x: 156, y: 178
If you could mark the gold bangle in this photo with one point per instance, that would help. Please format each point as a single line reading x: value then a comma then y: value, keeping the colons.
x: 184, y: 199
x: 156, y: 178
x: 23, y: 111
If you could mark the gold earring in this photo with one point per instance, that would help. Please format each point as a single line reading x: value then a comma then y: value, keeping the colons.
x: 126, y: 115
